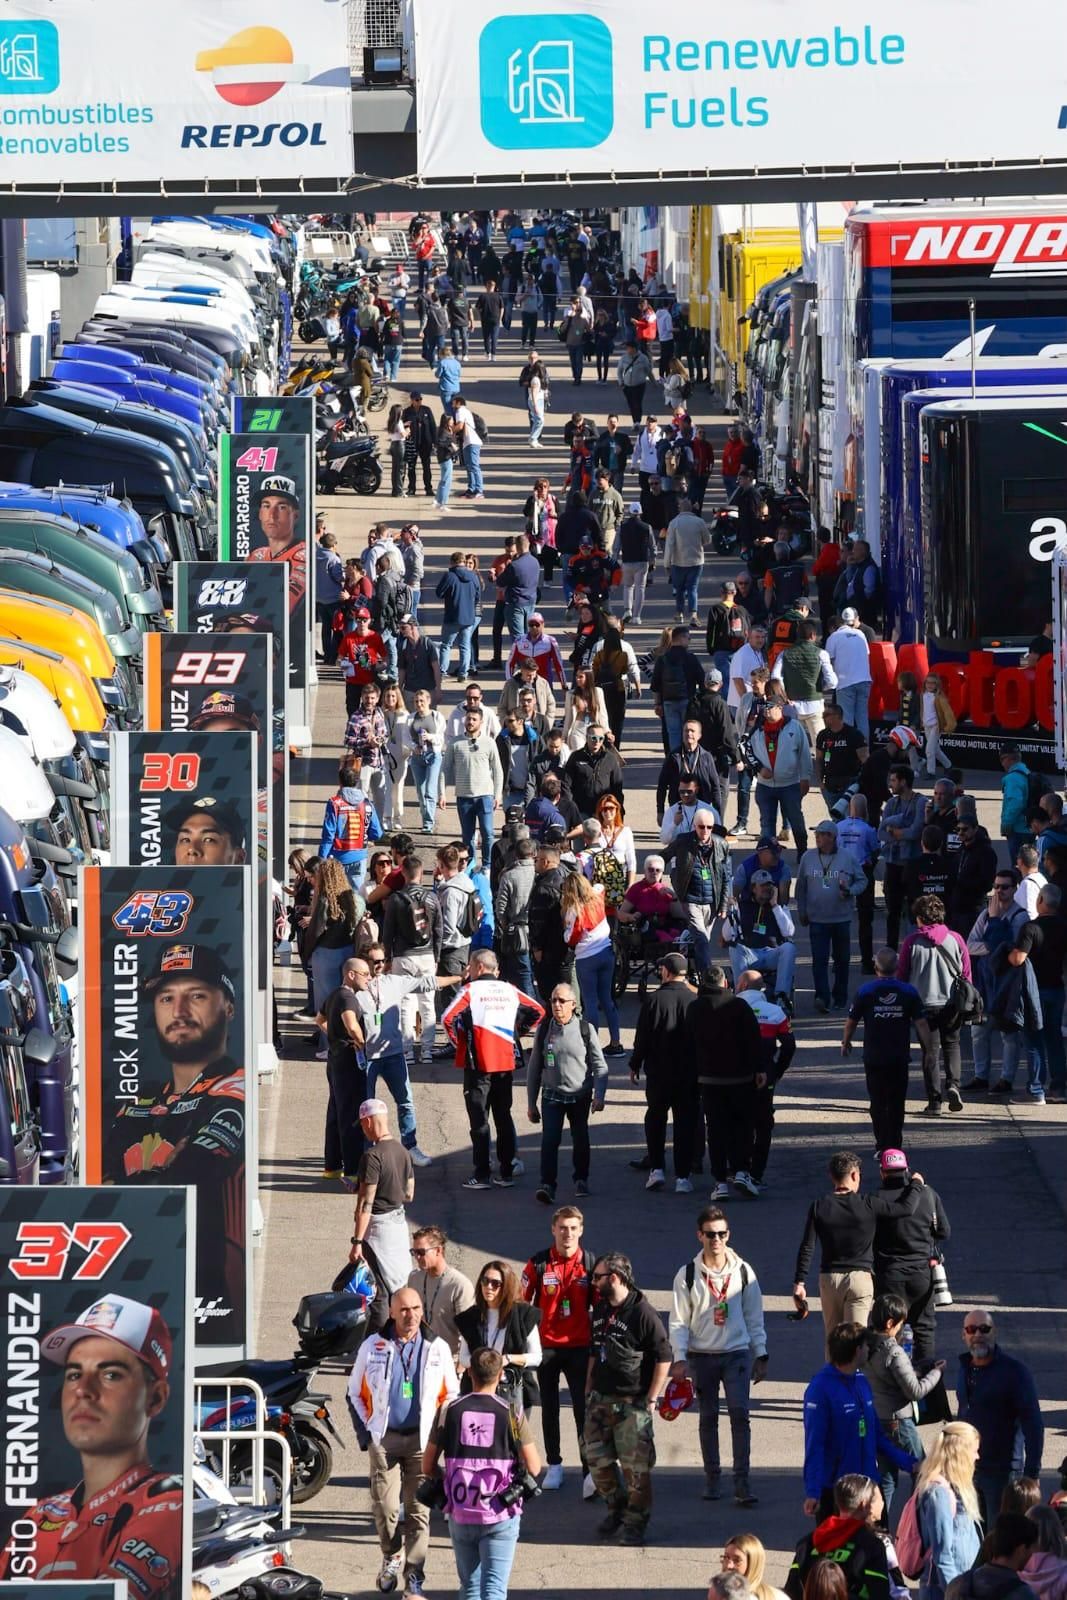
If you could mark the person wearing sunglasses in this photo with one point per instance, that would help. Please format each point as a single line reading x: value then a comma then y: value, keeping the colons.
x: 996, y: 1394
x: 718, y: 1338
x: 500, y: 1319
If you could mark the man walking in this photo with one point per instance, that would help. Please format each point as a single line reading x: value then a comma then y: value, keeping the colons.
x: 483, y: 1447
x: 842, y: 1433
x: 385, y: 1184
x: 888, y: 1009
x: 553, y: 959
x: 683, y: 557
x: 445, y: 1292
x: 379, y: 1005
x: 850, y: 657
x: 459, y: 591
x: 717, y: 1335
x: 423, y: 436
x: 411, y: 935
x: 828, y: 882
x: 471, y: 446
x: 689, y: 760
x: 346, y: 1075
x: 725, y: 1055
x: 472, y: 766
x: 899, y: 830
x: 843, y: 1224
x: 783, y: 755
x: 558, y: 1281
x: 676, y: 677
x: 520, y: 581
x: 996, y: 1394
x: 349, y: 823
x: 905, y: 1247
x: 629, y: 1360
x: 568, y: 1072
x: 398, y: 1382
x: 659, y: 1047
x: 484, y: 1022
x: 1015, y: 799
x: 700, y: 877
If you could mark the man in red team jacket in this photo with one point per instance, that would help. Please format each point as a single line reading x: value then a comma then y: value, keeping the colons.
x: 558, y: 1282
x: 484, y: 1022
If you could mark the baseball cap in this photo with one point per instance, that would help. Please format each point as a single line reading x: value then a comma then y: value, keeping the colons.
x: 554, y: 834
x: 635, y: 508
x: 713, y: 675
x: 729, y: 587
x: 762, y: 876
x: 893, y: 1161
x: 191, y: 961
x: 373, y: 1108
x: 137, y: 1327
x: 536, y: 616
x: 767, y: 842
x: 850, y: 615
x: 224, y: 704
x: 220, y: 811
x: 279, y: 484
x: 674, y: 963
x: 826, y: 826
x: 361, y: 611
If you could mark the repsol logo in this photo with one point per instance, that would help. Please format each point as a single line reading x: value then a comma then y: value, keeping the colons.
x: 254, y: 135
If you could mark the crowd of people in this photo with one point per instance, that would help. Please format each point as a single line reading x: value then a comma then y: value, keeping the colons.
x: 507, y: 948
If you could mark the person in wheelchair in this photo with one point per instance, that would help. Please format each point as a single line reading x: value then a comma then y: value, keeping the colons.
x: 651, y: 908
x: 759, y: 935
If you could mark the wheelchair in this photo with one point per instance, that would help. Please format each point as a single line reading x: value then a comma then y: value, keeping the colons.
x: 638, y: 951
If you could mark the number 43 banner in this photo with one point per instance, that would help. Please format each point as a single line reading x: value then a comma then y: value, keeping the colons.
x: 167, y: 1097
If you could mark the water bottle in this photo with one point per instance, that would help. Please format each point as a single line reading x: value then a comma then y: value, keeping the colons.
x: 907, y: 1340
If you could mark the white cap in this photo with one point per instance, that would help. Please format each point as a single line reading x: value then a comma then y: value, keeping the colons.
x: 635, y: 508
x: 373, y: 1108
x: 850, y: 616
x: 137, y: 1327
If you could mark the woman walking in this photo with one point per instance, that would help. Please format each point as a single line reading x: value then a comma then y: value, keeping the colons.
x: 330, y: 931
x: 500, y: 1319
x: 946, y: 1503
x: 398, y: 434
x: 396, y: 755
x: 426, y: 748
x: 586, y: 932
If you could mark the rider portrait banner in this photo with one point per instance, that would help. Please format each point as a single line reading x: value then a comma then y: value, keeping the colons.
x: 114, y: 90
x: 231, y: 597
x: 96, y: 1389
x: 167, y: 1094
x: 612, y: 88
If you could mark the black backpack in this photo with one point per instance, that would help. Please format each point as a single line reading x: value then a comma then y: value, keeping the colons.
x: 481, y: 427
x: 416, y: 923
x: 470, y: 918
x: 540, y: 1261
x: 1037, y: 784
x: 691, y: 1275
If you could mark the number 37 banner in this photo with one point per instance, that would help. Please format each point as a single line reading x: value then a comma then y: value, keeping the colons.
x: 96, y: 1381
x: 166, y: 1041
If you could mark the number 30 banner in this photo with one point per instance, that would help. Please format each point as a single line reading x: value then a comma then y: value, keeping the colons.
x: 95, y: 1384
x: 167, y: 1094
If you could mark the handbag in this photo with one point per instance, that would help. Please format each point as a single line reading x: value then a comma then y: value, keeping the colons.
x: 935, y: 1406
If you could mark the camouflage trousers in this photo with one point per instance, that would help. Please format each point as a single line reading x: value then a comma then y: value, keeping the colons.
x: 618, y: 1437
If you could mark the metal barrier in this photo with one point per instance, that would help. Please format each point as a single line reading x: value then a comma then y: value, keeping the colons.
x: 258, y: 1444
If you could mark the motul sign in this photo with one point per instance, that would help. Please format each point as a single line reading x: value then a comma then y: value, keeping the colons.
x: 1008, y: 246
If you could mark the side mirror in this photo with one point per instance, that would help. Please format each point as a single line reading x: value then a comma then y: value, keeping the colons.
x: 39, y: 1048
x: 67, y: 947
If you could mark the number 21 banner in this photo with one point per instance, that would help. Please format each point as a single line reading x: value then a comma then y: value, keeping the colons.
x: 167, y: 1097
x: 95, y: 1383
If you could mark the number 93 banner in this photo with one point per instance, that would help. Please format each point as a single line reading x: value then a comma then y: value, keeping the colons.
x: 96, y: 1380
x: 165, y: 1046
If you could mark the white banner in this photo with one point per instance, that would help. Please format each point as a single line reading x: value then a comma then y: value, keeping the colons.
x: 96, y: 90
x: 617, y: 86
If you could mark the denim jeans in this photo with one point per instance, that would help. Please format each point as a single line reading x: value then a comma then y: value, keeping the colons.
x: 744, y: 798
x: 326, y: 967
x: 780, y: 963
x: 1050, y: 1039
x: 594, y: 974
x: 490, y: 335
x: 484, y: 1555
x: 472, y: 460
x: 853, y: 702
x: 1027, y: 1043
x: 537, y: 425
x: 516, y: 967
x: 444, y: 481
x: 425, y: 772
x: 476, y: 815
x: 391, y: 362
x: 517, y: 614
x: 905, y: 1434
x: 788, y: 796
x: 450, y: 633
x: 460, y: 342
x: 393, y: 1070
x: 684, y: 581
x: 830, y: 939
x: 356, y: 869
x: 674, y: 721
x: 733, y: 1371
x: 554, y: 1115
x: 389, y: 641
x: 576, y: 356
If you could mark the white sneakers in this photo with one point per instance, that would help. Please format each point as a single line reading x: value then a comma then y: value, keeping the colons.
x: 589, y: 1490
x: 655, y: 1179
x: 721, y: 1191
x: 554, y: 1477
x: 744, y: 1181
x: 419, y: 1158
x: 682, y: 1186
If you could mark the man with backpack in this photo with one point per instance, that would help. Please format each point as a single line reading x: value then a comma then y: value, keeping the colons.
x: 558, y: 1281
x: 995, y: 931
x: 411, y: 933
x: 845, y: 1537
x: 475, y: 434
x: 460, y: 912
x: 676, y: 677
x: 423, y: 436
x: 1020, y: 790
x: 569, y: 1075
x: 931, y: 960
x: 717, y: 1335
x: 602, y: 866
x: 349, y: 824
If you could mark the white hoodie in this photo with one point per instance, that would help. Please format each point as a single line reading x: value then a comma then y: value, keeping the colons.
x: 692, y: 1326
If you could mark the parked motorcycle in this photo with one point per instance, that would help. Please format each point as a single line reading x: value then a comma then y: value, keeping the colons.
x: 346, y: 461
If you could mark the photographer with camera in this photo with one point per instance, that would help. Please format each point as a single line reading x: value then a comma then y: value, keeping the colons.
x: 491, y: 1468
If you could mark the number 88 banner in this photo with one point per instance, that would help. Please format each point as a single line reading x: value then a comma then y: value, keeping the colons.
x: 95, y: 1385
x: 166, y: 1040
